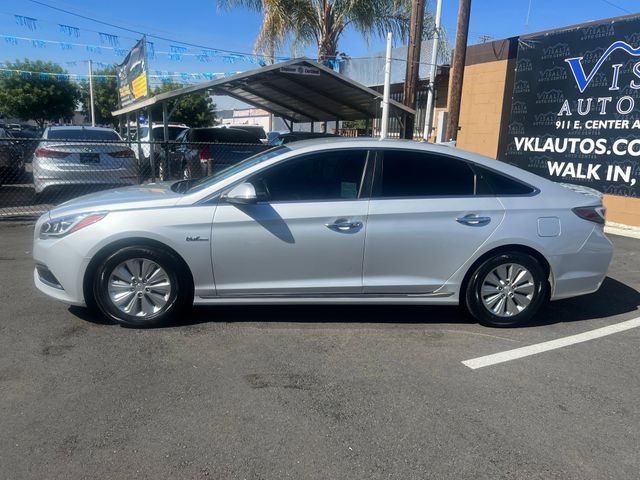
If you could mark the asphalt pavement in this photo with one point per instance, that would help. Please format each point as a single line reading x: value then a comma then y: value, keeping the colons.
x: 344, y: 392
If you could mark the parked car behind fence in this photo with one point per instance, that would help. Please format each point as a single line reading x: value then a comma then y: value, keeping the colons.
x: 199, y: 152
x: 80, y: 156
x: 11, y: 157
x: 70, y: 161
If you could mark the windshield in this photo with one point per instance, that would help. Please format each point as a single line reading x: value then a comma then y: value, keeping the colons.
x: 82, y: 134
x: 158, y: 132
x: 238, y: 167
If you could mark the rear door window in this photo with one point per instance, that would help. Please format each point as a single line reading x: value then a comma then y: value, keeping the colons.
x: 411, y: 173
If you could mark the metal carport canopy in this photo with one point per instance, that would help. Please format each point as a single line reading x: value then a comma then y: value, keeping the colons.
x: 300, y: 90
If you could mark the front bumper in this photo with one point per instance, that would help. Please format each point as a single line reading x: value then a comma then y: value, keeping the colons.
x: 66, y: 263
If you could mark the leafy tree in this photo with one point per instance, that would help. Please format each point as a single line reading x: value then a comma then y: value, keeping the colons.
x: 34, y: 96
x: 323, y: 21
x: 105, y: 96
x: 195, y: 110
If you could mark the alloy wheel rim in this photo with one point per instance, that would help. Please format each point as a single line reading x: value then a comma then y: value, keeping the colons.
x: 139, y: 287
x: 507, y: 290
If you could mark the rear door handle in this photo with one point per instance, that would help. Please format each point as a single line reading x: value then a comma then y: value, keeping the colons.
x: 343, y: 225
x: 473, y: 220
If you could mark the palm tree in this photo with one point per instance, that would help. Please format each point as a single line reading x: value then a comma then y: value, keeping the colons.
x: 322, y: 22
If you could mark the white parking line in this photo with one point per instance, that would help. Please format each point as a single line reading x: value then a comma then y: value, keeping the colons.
x: 516, y: 353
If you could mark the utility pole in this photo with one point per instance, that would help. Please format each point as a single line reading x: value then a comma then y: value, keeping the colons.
x: 433, y: 71
x: 457, y: 70
x: 413, y: 65
x: 384, y: 128
x: 93, y: 112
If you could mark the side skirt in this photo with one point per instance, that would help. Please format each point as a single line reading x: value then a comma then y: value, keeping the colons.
x: 441, y: 298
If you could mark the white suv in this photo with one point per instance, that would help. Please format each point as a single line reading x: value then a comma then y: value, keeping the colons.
x: 175, y: 129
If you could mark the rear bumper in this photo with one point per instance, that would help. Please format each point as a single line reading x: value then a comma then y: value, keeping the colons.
x: 45, y: 177
x: 582, y: 272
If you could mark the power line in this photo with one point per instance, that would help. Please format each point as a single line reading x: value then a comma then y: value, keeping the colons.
x: 158, y: 37
x: 608, y: 2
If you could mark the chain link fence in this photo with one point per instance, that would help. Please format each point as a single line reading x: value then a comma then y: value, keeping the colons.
x: 36, y: 174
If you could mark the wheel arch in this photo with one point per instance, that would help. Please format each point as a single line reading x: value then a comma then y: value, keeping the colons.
x: 544, y: 263
x: 105, y: 251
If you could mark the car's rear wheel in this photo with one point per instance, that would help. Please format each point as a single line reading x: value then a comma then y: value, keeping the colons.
x: 507, y: 290
x: 142, y: 286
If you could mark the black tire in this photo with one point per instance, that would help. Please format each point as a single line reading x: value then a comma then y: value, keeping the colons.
x: 41, y: 197
x: 513, y: 296
x: 178, y: 299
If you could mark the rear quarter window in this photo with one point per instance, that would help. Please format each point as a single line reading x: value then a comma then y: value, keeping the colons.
x: 494, y: 183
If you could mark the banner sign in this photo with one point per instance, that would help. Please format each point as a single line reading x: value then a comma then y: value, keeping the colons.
x: 575, y: 115
x: 132, y: 76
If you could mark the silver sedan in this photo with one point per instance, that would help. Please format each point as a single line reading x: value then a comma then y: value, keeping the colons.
x: 329, y: 221
x: 75, y: 155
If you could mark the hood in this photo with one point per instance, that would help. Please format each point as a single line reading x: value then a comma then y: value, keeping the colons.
x: 126, y: 198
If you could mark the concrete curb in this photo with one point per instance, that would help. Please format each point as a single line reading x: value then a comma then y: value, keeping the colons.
x: 622, y: 230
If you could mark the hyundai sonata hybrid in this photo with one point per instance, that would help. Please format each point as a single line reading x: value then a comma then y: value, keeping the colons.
x: 329, y: 221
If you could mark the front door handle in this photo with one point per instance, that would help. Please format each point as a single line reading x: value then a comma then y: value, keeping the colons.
x: 342, y: 225
x: 473, y: 220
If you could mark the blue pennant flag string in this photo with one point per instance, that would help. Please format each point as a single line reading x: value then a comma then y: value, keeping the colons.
x: 28, y: 22
x: 176, y: 53
x: 106, y: 38
x: 151, y: 50
x: 69, y: 30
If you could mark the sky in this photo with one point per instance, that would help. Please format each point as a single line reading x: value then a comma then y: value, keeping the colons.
x: 201, y: 22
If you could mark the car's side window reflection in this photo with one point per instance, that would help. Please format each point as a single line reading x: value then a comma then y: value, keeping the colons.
x: 332, y: 175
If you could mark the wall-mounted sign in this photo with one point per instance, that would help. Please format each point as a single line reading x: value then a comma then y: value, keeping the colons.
x: 301, y: 70
x: 575, y: 114
x: 132, y: 76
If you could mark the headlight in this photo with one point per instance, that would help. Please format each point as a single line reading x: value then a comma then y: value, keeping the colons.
x: 66, y: 225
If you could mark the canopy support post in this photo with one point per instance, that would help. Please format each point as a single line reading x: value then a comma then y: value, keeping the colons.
x: 152, y: 156
x: 165, y: 125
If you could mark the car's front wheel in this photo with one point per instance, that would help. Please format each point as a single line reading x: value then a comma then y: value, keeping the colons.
x: 142, y: 286
x: 507, y: 290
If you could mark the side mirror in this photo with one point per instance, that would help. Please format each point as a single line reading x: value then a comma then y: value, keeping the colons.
x: 242, y: 194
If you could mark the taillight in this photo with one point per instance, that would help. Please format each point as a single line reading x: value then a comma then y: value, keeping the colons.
x: 47, y: 152
x: 593, y: 214
x: 203, y: 154
x: 128, y: 153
